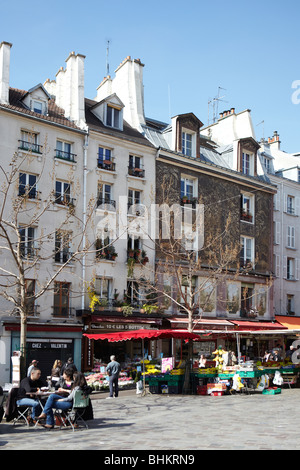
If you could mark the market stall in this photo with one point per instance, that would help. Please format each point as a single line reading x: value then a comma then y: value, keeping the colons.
x: 142, y: 335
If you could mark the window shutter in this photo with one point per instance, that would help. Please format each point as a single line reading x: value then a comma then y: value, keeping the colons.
x: 285, y: 202
x: 297, y: 266
x: 284, y: 268
x: 277, y: 267
x: 277, y: 233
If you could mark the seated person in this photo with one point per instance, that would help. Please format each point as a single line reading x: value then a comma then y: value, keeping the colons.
x: 27, y: 386
x: 55, y: 401
x: 64, y: 384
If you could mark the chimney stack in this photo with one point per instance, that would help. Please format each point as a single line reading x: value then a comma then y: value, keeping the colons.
x: 4, y: 71
x: 128, y: 85
x: 274, y: 141
x: 69, y: 88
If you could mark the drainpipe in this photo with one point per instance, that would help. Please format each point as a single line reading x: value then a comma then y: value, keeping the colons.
x: 85, y: 171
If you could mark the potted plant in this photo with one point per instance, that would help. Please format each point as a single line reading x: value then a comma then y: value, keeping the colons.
x: 127, y: 310
x: 102, y: 303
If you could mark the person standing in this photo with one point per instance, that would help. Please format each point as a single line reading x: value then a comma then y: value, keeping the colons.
x: 113, y: 369
x: 33, y: 364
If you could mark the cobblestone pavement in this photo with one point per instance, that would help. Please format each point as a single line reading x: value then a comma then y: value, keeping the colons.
x: 173, y: 422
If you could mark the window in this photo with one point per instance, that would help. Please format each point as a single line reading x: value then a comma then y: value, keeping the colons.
x: 290, y: 209
x: 267, y: 164
x: 105, y: 159
x: 63, y: 151
x: 187, y: 143
x: 62, y: 193
x: 113, y: 117
x: 134, y: 197
x: 135, y: 167
x: 105, y: 194
x: 103, y: 288
x: 247, y: 295
x: 290, y: 304
x: 37, y: 107
x: 247, y: 163
x: 247, y: 252
x: 62, y: 246
x: 247, y: 208
x: 27, y: 185
x: 290, y: 269
x: 29, y: 142
x: 29, y: 293
x: 27, y: 246
x: 132, y: 294
x: 187, y: 190
x: 134, y: 247
x: 290, y: 237
x: 61, y: 299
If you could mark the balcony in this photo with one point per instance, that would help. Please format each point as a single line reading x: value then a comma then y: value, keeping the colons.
x: 189, y: 201
x: 30, y: 146
x: 105, y: 252
x: 64, y: 200
x: 29, y: 193
x: 106, y: 203
x: 67, y: 156
x: 108, y: 165
x: 61, y: 311
x: 136, y: 172
x: 62, y: 257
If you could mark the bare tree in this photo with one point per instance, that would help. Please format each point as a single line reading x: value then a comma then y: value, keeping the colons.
x: 29, y: 238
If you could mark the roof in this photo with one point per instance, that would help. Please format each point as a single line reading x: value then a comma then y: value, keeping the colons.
x: 128, y: 132
x: 55, y: 114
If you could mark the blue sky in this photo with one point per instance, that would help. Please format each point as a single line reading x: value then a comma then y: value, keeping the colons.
x: 190, y: 48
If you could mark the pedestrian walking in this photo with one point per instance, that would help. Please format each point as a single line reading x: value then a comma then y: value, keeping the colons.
x: 113, y: 369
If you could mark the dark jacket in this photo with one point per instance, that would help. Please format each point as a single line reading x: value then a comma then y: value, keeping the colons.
x: 27, y: 385
x: 11, y: 405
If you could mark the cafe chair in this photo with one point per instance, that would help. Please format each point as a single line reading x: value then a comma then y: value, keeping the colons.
x: 74, y: 416
x: 16, y: 413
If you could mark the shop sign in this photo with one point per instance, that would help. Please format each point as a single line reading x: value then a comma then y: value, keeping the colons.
x: 48, y: 344
x: 118, y: 326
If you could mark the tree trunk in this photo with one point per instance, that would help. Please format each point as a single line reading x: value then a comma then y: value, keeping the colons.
x: 23, y: 349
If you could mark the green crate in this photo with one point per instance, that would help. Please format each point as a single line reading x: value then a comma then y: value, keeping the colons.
x: 271, y: 391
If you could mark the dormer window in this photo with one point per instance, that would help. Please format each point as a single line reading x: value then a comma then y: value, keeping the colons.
x: 37, y: 107
x: 187, y: 143
x: 113, y: 117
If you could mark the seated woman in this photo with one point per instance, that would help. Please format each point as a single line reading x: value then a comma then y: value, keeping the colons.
x: 55, y: 401
x: 64, y: 384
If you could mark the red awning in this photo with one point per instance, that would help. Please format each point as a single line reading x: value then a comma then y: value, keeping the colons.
x: 258, y: 325
x: 140, y: 334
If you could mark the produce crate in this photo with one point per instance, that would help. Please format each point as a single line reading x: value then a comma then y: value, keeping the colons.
x: 154, y: 389
x: 271, y: 391
x: 201, y: 390
x: 217, y: 393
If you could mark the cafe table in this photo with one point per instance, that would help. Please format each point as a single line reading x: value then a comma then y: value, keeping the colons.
x: 40, y: 396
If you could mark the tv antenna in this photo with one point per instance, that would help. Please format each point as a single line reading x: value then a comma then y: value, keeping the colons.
x: 107, y: 56
x: 214, y: 103
x: 263, y: 123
